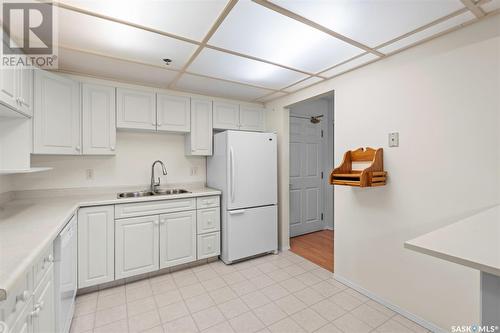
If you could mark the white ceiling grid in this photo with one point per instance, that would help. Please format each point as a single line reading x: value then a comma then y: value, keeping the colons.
x: 256, y: 50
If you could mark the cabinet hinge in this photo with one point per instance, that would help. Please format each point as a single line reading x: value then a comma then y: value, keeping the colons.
x: 321, y: 216
x: 321, y: 174
x: 321, y: 133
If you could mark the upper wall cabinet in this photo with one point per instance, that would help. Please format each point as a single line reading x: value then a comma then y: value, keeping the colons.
x: 199, y: 140
x: 226, y: 115
x: 173, y: 113
x: 135, y: 109
x: 56, y: 123
x: 16, y: 89
x: 99, y: 119
x: 252, y: 118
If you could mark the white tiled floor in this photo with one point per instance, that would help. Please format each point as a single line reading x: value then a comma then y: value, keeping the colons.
x: 275, y: 293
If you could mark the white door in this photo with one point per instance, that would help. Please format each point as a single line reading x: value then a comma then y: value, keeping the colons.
x: 173, y: 112
x: 25, y: 90
x: 306, y: 201
x: 252, y: 118
x: 44, y: 307
x: 8, y: 87
x: 250, y: 232
x: 177, y: 238
x: 226, y: 115
x: 252, y: 180
x: 56, y: 120
x: 137, y: 246
x: 96, y: 245
x: 199, y: 141
x: 99, y: 119
x: 135, y: 109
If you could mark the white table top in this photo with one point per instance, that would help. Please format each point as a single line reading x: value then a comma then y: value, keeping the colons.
x: 472, y: 242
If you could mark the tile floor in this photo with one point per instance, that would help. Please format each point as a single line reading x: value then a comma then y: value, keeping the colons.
x: 275, y: 293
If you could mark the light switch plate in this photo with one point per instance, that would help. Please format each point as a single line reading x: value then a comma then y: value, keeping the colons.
x: 394, y: 139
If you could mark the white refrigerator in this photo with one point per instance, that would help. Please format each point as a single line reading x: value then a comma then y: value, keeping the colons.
x: 244, y: 168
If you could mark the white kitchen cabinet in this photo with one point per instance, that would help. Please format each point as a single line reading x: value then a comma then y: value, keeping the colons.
x: 135, y: 109
x: 99, y: 119
x: 137, y: 246
x: 25, y: 90
x: 44, y: 308
x: 208, y: 220
x: 252, y: 118
x: 199, y: 141
x: 226, y: 115
x: 173, y: 113
x: 56, y: 118
x: 8, y: 87
x: 24, y: 323
x: 96, y: 245
x: 208, y: 245
x: 177, y: 238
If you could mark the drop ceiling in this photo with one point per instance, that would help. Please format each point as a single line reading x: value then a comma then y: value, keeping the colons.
x: 250, y: 50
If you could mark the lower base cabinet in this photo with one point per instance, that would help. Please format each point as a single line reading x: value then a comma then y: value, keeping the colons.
x: 24, y: 324
x: 137, y: 246
x: 44, y: 309
x: 177, y: 238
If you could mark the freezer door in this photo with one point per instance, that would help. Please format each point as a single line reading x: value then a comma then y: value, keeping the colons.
x: 251, y: 231
x: 252, y: 165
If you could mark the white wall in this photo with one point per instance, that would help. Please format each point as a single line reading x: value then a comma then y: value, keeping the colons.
x: 135, y: 152
x: 443, y: 98
x: 5, y: 184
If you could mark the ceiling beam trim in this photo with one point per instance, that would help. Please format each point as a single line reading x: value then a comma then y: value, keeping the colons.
x: 477, y: 11
x: 229, y: 6
x: 315, y: 25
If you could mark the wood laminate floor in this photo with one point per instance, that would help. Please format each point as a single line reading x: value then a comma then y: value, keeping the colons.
x: 316, y: 247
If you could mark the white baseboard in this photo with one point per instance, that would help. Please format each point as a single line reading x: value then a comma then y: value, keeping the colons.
x: 328, y: 227
x: 422, y: 322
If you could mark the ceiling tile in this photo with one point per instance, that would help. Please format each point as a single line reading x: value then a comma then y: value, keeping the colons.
x: 491, y: 6
x: 89, y: 33
x: 350, y: 65
x: 190, y: 19
x: 258, y: 31
x: 268, y: 98
x: 303, y: 84
x: 429, y: 32
x: 104, y: 67
x: 230, y: 67
x: 372, y: 22
x: 213, y: 87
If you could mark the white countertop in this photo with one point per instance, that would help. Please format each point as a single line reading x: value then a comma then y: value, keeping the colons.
x: 27, y: 226
x: 472, y: 242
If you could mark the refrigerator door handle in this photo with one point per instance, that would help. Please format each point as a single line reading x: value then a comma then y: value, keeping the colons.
x: 231, y: 172
x: 234, y: 212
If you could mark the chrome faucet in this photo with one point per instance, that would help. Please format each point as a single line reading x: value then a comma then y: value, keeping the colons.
x: 155, y: 185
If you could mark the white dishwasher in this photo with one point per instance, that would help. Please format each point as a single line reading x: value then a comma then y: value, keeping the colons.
x: 65, y: 248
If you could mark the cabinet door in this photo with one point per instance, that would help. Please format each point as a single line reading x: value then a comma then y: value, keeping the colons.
x: 136, y: 250
x: 44, y: 310
x: 208, y: 220
x: 208, y: 245
x: 252, y: 118
x: 135, y: 109
x: 8, y: 86
x: 25, y: 90
x: 177, y: 238
x: 174, y: 113
x: 226, y: 115
x: 96, y: 245
x: 199, y: 141
x: 99, y: 119
x: 56, y: 118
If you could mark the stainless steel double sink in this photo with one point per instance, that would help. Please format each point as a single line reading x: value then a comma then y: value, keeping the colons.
x: 139, y: 194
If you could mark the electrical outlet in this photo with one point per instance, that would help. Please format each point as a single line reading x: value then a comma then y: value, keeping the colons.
x: 89, y: 173
x: 394, y: 139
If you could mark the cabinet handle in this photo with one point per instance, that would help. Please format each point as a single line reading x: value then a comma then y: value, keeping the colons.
x: 159, y: 124
x: 77, y: 148
x: 112, y: 148
x: 35, y: 313
x: 23, y: 297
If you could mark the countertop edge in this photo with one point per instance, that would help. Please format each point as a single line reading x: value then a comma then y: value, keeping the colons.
x: 25, y: 263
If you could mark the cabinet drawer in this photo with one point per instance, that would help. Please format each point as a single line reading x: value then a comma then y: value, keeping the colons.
x: 208, y: 220
x: 208, y: 245
x: 18, y: 298
x: 42, y: 264
x: 207, y: 202
x: 153, y: 207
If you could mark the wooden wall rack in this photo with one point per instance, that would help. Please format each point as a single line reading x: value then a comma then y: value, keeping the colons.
x: 373, y: 175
